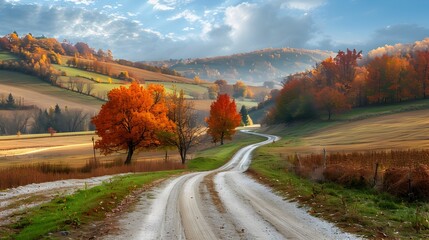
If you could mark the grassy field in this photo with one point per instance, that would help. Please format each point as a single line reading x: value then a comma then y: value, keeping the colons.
x: 102, y: 85
x: 22, y: 84
x: 142, y: 75
x: 364, y: 211
x: 7, y: 56
x: 74, y: 72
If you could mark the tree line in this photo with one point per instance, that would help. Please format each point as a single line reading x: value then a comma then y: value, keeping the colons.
x: 51, y: 120
x: 53, y: 49
x: 348, y: 81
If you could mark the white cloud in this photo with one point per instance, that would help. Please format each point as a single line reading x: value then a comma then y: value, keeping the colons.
x: 159, y: 5
x: 256, y: 26
x: 188, y: 15
x: 84, y: 2
x: 304, y: 5
x: 188, y: 29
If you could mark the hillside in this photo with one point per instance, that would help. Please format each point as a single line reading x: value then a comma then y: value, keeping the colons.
x: 253, y: 67
x: 139, y: 74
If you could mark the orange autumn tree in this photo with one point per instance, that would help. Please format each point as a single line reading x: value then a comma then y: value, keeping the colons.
x: 331, y: 101
x: 223, y: 118
x: 132, y: 119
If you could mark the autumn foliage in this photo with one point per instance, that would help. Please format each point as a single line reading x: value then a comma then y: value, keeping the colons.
x: 132, y: 119
x: 339, y: 83
x: 223, y: 119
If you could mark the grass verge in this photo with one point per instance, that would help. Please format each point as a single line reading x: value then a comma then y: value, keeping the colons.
x: 85, y: 206
x: 361, y: 211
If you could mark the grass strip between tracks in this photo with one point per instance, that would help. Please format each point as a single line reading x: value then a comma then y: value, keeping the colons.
x: 364, y: 211
x: 215, y: 157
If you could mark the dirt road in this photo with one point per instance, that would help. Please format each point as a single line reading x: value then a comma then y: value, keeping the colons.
x: 221, y: 204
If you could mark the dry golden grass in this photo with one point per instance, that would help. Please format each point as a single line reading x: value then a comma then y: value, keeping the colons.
x: 401, y: 173
x: 42, y: 172
x: 71, y: 150
x: 408, y: 130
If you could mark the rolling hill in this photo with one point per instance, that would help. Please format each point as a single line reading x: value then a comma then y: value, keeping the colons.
x: 253, y: 68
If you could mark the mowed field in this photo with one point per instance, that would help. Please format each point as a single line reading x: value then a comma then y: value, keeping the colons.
x: 399, y: 131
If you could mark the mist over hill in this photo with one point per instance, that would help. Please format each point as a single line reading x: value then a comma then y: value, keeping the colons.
x: 253, y: 67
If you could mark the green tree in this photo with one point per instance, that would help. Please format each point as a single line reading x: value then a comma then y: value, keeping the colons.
x: 10, y: 101
x: 244, y: 115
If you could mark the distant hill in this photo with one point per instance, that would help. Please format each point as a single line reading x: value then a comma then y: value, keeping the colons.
x: 253, y: 67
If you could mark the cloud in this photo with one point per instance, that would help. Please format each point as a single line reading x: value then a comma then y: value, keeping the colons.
x: 84, y: 2
x: 230, y: 29
x: 188, y: 15
x: 159, y: 5
x: 257, y: 26
x: 393, y: 39
x: 167, y: 5
x: 400, y: 33
x: 304, y: 5
x: 400, y: 49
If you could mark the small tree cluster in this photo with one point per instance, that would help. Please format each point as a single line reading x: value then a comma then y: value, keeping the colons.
x: 67, y: 120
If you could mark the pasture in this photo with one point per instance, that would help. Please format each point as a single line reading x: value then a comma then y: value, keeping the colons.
x: 34, y: 91
x: 7, y: 56
x: 74, y: 72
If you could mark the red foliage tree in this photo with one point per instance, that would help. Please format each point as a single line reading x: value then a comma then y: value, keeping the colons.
x: 420, y: 64
x: 223, y: 119
x: 132, y: 119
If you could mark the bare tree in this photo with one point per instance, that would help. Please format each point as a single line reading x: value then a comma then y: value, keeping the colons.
x: 71, y: 84
x: 74, y: 120
x: 80, y: 86
x: 17, y: 122
x: 188, y: 129
x: 89, y: 88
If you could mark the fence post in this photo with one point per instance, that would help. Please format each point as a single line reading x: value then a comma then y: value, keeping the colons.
x: 324, y: 158
x: 375, y: 174
x: 299, y: 160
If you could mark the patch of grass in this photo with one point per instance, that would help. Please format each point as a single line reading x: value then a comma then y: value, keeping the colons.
x: 217, y: 156
x: 190, y: 89
x: 69, y: 212
x: 7, y: 56
x: 75, y: 72
x: 361, y: 211
x: 379, y: 110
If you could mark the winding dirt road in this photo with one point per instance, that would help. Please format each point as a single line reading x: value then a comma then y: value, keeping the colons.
x: 221, y: 204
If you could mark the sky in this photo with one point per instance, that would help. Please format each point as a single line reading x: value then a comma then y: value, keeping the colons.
x: 174, y: 29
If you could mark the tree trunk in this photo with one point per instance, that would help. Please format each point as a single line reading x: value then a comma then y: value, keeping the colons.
x: 183, y: 155
x: 221, y: 138
x: 129, y: 155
